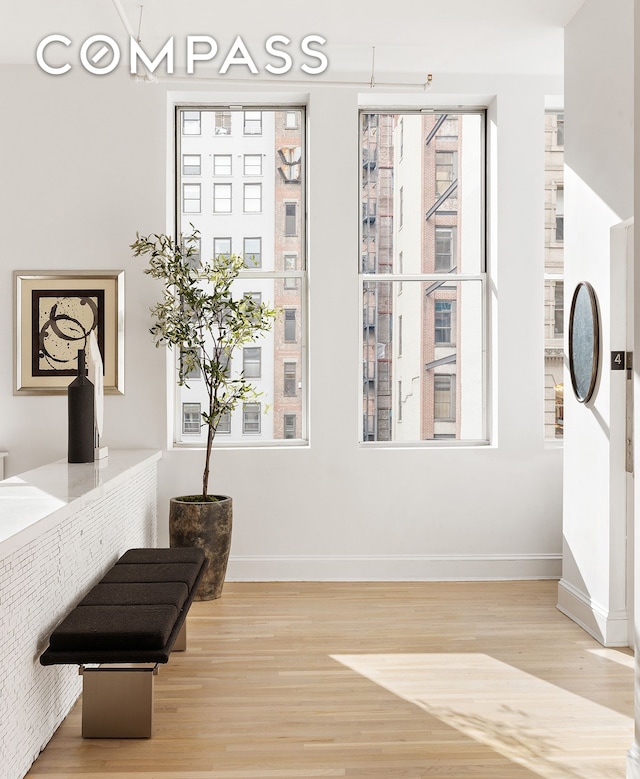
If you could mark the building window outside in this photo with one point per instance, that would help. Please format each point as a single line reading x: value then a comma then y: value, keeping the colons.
x: 193, y: 260
x: 289, y: 426
x: 279, y: 277
x: 444, y: 249
x: 255, y: 296
x: 251, y: 418
x: 559, y: 129
x: 445, y: 170
x: 191, y: 198
x: 428, y: 283
x: 444, y: 397
x: 221, y: 164
x: 252, y: 123
x: 290, y: 324
x: 558, y: 318
x: 191, y: 122
x: 291, y: 263
x: 290, y: 379
x: 253, y: 165
x: 222, y: 198
x: 560, y: 214
x: 222, y: 247
x: 252, y: 362
x: 191, y: 418
x: 222, y: 123
x: 193, y: 373
x: 290, y: 219
x: 191, y: 165
x: 252, y: 198
x: 224, y: 424
x: 445, y: 322
x: 554, y: 311
x: 252, y: 252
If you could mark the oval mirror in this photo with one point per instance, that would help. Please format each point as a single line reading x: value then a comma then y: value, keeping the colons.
x: 584, y: 341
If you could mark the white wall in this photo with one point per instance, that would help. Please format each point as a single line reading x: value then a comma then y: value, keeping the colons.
x: 83, y: 163
x: 598, y: 195
x: 83, y: 168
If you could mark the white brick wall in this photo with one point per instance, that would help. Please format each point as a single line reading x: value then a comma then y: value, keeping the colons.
x: 39, y: 583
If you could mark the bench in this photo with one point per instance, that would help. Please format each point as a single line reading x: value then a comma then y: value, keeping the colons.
x: 119, y: 633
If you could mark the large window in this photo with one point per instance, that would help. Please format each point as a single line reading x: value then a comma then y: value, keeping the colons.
x: 264, y: 220
x: 423, y: 277
x: 554, y: 276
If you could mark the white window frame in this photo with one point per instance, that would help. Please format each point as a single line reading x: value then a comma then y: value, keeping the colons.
x: 252, y: 362
x: 191, y: 125
x: 435, y: 279
x: 274, y: 271
x: 252, y: 198
x: 186, y: 165
x: 251, y: 411
x: 222, y: 164
x: 219, y: 247
x: 291, y: 121
x: 249, y: 255
x: 252, y: 164
x: 218, y: 200
x: 252, y: 123
x: 188, y: 417
x: 189, y: 196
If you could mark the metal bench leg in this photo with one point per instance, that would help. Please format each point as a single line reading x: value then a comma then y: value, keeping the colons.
x: 181, y: 641
x: 117, y: 701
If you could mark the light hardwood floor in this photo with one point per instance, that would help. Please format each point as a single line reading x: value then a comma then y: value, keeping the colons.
x: 373, y: 681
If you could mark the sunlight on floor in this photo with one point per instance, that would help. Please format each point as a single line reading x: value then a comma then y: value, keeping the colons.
x: 528, y: 720
x: 617, y: 655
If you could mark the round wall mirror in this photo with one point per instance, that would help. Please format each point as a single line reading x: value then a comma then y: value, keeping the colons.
x: 584, y: 341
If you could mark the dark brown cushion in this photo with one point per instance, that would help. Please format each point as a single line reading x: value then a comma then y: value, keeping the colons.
x: 114, y: 627
x: 137, y: 594
x: 154, y: 572
x: 174, y: 554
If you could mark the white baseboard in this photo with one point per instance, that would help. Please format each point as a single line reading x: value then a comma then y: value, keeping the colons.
x: 393, y: 567
x: 608, y: 627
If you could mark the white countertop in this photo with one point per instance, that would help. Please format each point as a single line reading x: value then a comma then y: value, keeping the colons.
x: 34, y: 501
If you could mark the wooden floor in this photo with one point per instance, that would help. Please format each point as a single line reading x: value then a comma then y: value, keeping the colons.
x: 375, y: 681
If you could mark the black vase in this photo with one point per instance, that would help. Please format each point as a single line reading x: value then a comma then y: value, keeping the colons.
x: 81, y: 416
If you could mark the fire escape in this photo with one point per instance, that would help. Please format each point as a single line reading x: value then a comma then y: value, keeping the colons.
x: 377, y: 217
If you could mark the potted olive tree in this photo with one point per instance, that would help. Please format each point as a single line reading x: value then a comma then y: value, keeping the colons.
x: 201, y: 317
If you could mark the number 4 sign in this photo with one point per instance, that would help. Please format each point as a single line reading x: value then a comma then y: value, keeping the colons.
x: 617, y: 361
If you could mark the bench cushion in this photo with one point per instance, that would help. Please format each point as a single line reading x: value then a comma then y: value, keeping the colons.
x: 175, y: 554
x: 137, y: 594
x: 114, y: 627
x: 153, y: 572
x: 134, y: 614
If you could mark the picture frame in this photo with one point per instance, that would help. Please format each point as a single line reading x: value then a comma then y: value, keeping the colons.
x: 54, y: 313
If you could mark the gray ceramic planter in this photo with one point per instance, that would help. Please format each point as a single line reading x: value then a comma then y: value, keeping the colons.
x: 208, y: 526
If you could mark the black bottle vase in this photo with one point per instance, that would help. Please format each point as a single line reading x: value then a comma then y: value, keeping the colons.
x: 81, y: 416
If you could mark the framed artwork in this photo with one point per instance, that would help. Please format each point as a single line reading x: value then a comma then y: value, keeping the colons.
x: 54, y: 313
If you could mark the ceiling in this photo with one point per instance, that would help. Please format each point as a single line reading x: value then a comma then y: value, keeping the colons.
x: 409, y: 36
